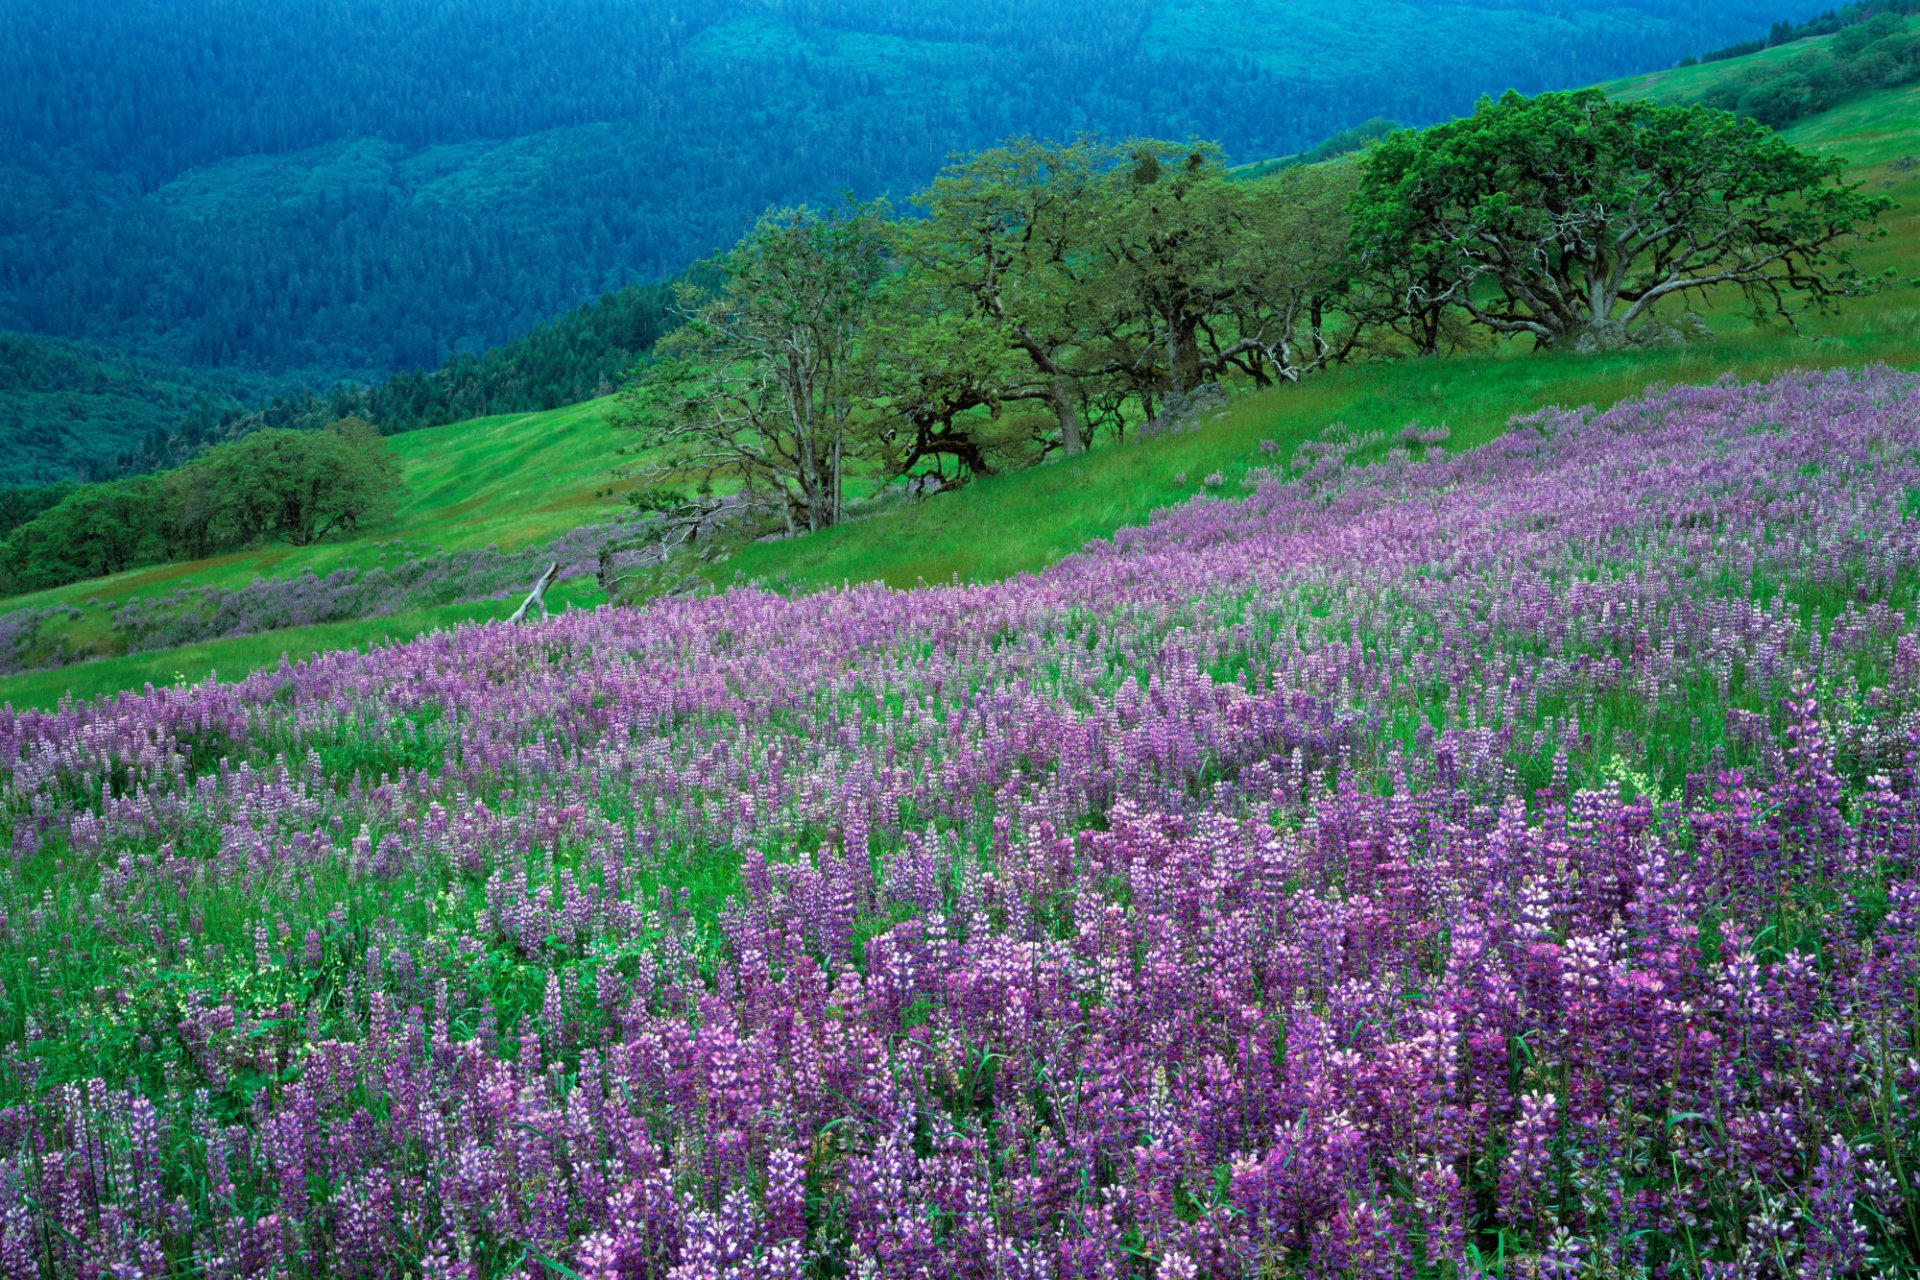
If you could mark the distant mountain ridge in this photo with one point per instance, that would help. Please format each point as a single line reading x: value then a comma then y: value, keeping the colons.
x: 74, y: 411
x: 80, y: 412
x: 298, y: 194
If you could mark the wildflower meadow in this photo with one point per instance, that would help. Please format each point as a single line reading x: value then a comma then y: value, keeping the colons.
x: 1407, y: 863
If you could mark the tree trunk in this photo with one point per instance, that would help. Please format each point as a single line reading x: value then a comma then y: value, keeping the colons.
x: 1067, y: 412
x: 1059, y: 392
x: 1183, y: 353
x: 837, y: 511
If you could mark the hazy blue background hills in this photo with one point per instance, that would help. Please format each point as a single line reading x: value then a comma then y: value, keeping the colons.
x: 304, y: 190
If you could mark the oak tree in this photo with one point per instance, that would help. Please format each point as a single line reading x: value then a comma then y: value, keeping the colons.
x: 1570, y: 217
x: 759, y: 390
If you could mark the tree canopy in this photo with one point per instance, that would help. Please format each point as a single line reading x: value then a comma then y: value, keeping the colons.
x: 300, y: 486
x: 294, y: 486
x: 349, y: 190
x: 760, y: 384
x: 1569, y: 216
x: 1045, y: 296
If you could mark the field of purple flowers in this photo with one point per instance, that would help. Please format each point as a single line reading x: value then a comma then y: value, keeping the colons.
x: 195, y: 614
x: 1502, y: 863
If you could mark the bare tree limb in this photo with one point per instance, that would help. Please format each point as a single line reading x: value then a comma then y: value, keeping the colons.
x: 538, y: 596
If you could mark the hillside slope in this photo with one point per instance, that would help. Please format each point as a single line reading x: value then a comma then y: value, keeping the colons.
x: 515, y: 483
x: 1038, y: 516
x: 1365, y: 878
x: 1697, y: 83
x: 322, y: 191
x: 518, y: 480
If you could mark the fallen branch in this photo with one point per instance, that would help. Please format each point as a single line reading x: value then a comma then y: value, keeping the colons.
x: 538, y: 595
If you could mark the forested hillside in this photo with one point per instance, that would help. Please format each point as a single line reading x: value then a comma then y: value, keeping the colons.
x: 349, y: 190
x: 75, y: 411
x: 79, y: 411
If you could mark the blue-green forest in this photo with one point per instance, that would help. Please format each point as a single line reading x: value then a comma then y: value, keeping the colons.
x: 258, y: 197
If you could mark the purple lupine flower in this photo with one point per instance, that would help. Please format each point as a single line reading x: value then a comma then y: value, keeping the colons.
x: 1323, y: 881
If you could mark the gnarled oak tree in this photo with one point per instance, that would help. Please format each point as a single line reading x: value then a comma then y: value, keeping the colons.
x: 759, y: 389
x: 1570, y: 217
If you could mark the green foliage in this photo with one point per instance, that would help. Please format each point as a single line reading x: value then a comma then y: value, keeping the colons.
x: 1343, y: 143
x: 72, y: 411
x: 1000, y: 262
x: 1207, y: 278
x: 1348, y: 141
x: 97, y: 529
x: 298, y: 486
x: 1783, y: 32
x: 295, y: 486
x: 1053, y: 293
x: 21, y: 504
x: 656, y: 500
x: 380, y: 187
x: 1568, y: 217
x: 760, y: 385
x: 1873, y: 53
x: 1050, y: 292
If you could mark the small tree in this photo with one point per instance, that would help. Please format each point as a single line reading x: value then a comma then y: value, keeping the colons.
x: 940, y: 384
x: 1570, y: 217
x: 299, y: 486
x: 1169, y: 224
x: 97, y: 529
x: 760, y: 386
x: 1294, y: 311
x: 1207, y: 276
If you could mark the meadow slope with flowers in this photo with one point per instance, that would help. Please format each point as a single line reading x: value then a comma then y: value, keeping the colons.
x: 1504, y: 862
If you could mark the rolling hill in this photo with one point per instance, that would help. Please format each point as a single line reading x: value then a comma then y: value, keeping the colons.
x: 1455, y: 816
x: 310, y: 193
x: 519, y: 480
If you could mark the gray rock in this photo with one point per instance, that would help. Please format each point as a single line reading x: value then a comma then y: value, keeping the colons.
x: 1183, y: 412
x: 1614, y: 336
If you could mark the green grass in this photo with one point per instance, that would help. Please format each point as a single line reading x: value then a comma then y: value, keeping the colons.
x: 1691, y: 84
x: 236, y: 656
x: 1026, y: 520
x: 511, y: 482
x: 517, y: 480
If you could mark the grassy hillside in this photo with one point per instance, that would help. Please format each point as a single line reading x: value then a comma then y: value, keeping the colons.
x: 511, y: 482
x: 1483, y: 843
x: 1023, y: 521
x: 1694, y: 83
x: 515, y: 481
